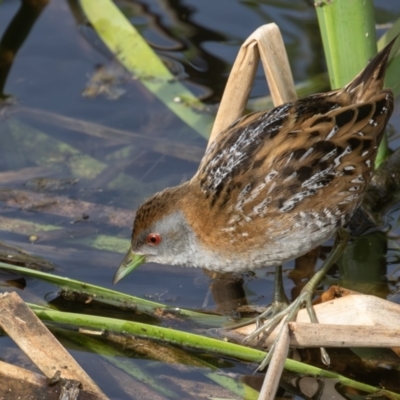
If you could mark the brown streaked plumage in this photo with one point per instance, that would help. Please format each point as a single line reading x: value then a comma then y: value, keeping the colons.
x: 272, y: 186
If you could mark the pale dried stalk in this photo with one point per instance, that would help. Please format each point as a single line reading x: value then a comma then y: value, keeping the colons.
x: 352, y: 321
x: 35, y: 340
x: 380, y: 319
x: 265, y: 43
x: 275, y: 367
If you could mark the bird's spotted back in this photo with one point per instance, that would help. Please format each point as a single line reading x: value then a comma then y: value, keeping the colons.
x: 298, y: 155
x: 301, y: 154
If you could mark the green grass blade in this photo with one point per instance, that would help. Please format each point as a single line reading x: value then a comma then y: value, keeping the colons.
x: 114, y: 298
x: 132, y: 51
x: 147, y: 331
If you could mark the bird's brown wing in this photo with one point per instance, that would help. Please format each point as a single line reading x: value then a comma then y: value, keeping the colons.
x: 279, y: 160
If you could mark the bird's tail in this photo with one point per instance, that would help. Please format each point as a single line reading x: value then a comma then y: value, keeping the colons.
x: 370, y: 80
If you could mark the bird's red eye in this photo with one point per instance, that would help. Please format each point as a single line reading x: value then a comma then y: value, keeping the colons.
x: 153, y: 239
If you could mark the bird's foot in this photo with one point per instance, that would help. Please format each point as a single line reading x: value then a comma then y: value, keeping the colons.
x: 274, y: 309
x: 270, y: 312
x: 289, y: 314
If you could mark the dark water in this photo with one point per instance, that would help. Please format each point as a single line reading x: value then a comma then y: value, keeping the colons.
x: 51, y: 73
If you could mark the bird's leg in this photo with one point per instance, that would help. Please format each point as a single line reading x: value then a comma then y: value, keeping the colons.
x: 279, y: 300
x: 279, y: 303
x: 305, y: 297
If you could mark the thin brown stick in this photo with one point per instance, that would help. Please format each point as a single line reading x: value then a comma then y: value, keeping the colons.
x: 60, y: 205
x: 164, y: 146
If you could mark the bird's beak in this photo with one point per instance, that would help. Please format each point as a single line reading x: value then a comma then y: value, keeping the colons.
x: 129, y: 263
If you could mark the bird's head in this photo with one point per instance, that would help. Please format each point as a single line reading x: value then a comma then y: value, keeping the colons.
x: 160, y: 233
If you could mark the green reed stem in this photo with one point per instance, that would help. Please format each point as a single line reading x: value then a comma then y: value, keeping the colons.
x: 348, y: 35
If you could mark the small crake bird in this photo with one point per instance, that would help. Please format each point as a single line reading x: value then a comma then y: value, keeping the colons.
x: 272, y: 186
